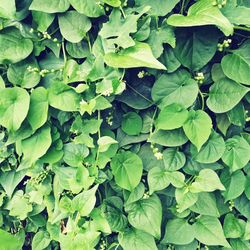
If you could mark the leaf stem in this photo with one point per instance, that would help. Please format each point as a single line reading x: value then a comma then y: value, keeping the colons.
x: 182, y: 7
x: 138, y: 93
x: 236, y: 27
x: 64, y: 53
x: 123, y: 13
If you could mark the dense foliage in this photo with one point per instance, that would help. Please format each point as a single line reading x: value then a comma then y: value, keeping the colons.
x: 124, y: 124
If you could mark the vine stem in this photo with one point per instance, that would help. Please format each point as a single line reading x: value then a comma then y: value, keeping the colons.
x: 182, y: 6
x: 64, y: 53
x: 236, y: 27
x: 202, y: 100
x: 99, y: 135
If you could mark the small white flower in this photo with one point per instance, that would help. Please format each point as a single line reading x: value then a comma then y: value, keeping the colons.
x: 158, y: 155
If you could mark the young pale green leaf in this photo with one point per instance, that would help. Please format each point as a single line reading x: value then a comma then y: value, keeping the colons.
x: 113, y: 3
x: 236, y: 66
x: 127, y: 169
x: 140, y: 55
x: 137, y: 240
x: 36, y: 146
x: 14, y: 106
x: 171, y: 117
x: 206, y: 181
x: 9, y: 180
x: 202, y: 13
x: 49, y: 6
x: 178, y: 232
x: 10, y: 241
x: 146, y: 215
x: 19, y: 206
x: 74, y: 26
x: 184, y: 199
x: 38, y: 111
x: 85, y: 201
x: 237, y: 153
x: 105, y: 142
x: 63, y: 97
x: 90, y: 8
x: 173, y: 159
x: 208, y: 231
x: 177, y: 87
x: 211, y: 151
x: 41, y: 240
x: 224, y: 95
x: 7, y: 9
x: 131, y: 123
x: 198, y: 127
x: 117, y: 30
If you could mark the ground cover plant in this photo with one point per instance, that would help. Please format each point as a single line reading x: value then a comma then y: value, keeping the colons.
x: 124, y: 124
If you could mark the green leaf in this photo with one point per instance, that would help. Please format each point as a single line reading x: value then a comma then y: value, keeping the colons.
x: 117, y: 30
x: 36, y: 146
x: 146, y: 215
x: 198, y: 127
x: 195, y: 49
x: 18, y: 73
x: 236, y: 66
x: 158, y: 7
x: 177, y: 87
x: 42, y: 19
x: 169, y: 138
x: 178, y: 232
x: 131, y: 123
x: 206, y: 181
x: 137, y: 240
x: 211, y: 151
x: 206, y: 205
x: 105, y: 142
x: 9, y: 180
x: 48, y: 6
x: 14, y: 106
x: 8, y: 9
x: 85, y: 201
x: 208, y: 231
x: 41, y: 240
x: 173, y: 159
x: 224, y: 95
x: 202, y: 13
x: 159, y: 178
x: 127, y: 169
x: 74, y: 154
x: 90, y: 8
x: 113, y: 3
x: 171, y: 117
x: 236, y: 155
x: 10, y: 241
x: 184, y: 199
x: 74, y: 26
x: 232, y: 227
x: 13, y: 47
x: 63, y: 97
x: 140, y: 55
x: 243, y: 206
x: 38, y: 111
x: 234, y: 184
x: 19, y: 205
